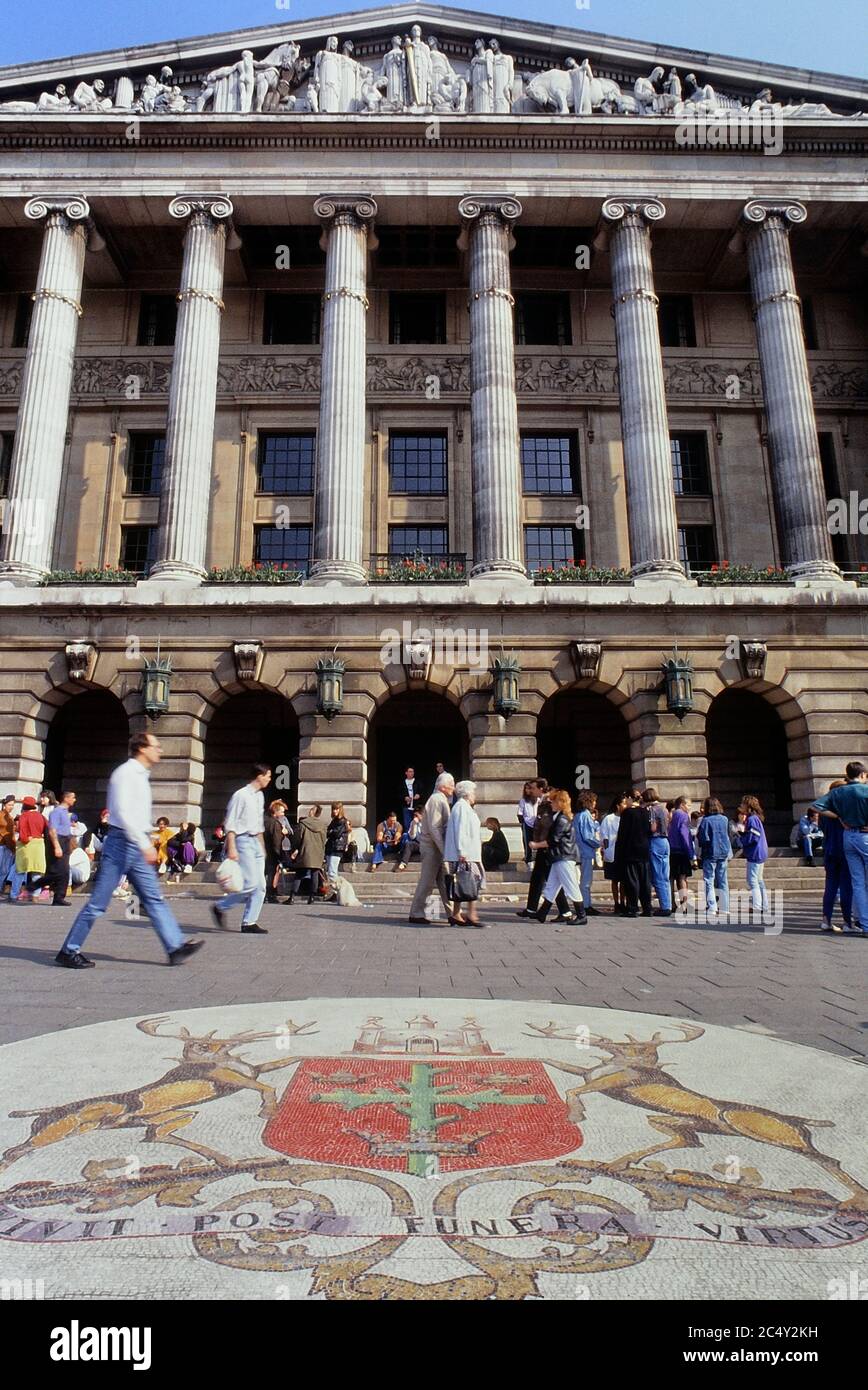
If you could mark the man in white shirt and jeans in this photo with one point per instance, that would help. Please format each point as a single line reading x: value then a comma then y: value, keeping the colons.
x: 244, y: 827
x: 128, y: 851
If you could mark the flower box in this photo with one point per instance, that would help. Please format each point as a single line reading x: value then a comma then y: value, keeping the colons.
x: 725, y: 573
x: 106, y: 574
x: 581, y: 573
x: 255, y: 574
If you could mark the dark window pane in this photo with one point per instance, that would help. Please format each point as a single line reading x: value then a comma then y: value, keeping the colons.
x: 809, y: 325
x: 137, y: 548
x: 282, y: 545
x: 284, y: 463
x: 677, y: 328
x: 291, y: 318
x: 158, y: 315
x: 429, y: 540
x: 417, y: 463
x: 552, y: 545
x: 689, y: 453
x: 832, y: 488
x: 417, y: 318
x: 146, y: 454
x: 549, y: 463
x: 416, y: 247
x: 543, y: 318
x: 7, y: 442
x: 23, y: 315
x: 696, y: 546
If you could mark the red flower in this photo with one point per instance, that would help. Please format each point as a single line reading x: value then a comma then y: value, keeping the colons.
x: 284, y: 566
x: 725, y: 564
x: 770, y: 569
x: 583, y: 563
x: 714, y: 569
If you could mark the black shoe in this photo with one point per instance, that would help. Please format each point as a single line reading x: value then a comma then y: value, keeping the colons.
x: 663, y: 912
x: 593, y: 912
x: 74, y: 960
x: 221, y: 918
x: 565, y: 917
x: 646, y: 912
x: 580, y: 919
x: 631, y: 913
x: 180, y: 954
x: 543, y: 912
x: 524, y: 913
x: 254, y: 929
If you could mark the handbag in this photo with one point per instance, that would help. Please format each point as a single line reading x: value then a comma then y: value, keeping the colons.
x: 466, y: 884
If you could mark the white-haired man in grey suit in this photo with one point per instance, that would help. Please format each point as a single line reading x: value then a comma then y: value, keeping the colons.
x: 432, y: 841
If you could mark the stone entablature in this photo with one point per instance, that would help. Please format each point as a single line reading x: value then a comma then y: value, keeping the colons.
x: 255, y: 371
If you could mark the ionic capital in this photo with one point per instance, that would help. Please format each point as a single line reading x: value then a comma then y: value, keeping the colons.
x: 632, y: 210
x: 758, y: 211
x: 214, y: 206
x: 73, y: 208
x: 490, y: 208
x: 344, y: 210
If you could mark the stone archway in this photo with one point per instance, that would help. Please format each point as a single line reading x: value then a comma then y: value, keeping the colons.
x: 748, y: 754
x: 85, y: 741
x: 582, y: 728
x: 250, y: 726
x: 415, y: 728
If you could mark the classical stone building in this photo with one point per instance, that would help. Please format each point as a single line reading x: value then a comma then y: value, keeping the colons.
x: 495, y: 370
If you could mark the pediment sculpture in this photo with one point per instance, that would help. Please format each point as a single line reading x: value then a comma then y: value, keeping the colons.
x: 413, y: 76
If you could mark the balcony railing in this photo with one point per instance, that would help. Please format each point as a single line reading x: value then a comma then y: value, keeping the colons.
x: 419, y: 567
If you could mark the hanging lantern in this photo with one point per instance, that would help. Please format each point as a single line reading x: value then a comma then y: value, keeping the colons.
x: 156, y: 685
x: 506, y: 671
x: 329, y: 686
x: 678, y: 674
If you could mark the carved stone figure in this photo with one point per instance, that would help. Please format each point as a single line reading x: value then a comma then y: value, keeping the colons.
x: 553, y: 89
x: 89, y: 97
x: 332, y: 86
x: 351, y: 78
x: 230, y: 88
x: 581, y: 80
x: 482, y: 78
x: 393, y: 75
x: 371, y: 95
x: 645, y: 92
x: 503, y: 78
x: 448, y: 90
x: 276, y: 73
x: 418, y: 68
x: 54, y: 101
x: 701, y: 99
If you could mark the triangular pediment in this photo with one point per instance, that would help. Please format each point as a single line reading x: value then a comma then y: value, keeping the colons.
x: 533, y: 48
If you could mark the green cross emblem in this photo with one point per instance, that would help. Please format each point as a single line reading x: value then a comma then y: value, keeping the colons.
x: 418, y: 1099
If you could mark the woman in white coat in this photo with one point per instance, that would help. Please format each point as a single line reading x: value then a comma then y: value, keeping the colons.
x: 464, y: 846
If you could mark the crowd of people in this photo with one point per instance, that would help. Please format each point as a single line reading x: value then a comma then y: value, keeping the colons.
x: 645, y: 848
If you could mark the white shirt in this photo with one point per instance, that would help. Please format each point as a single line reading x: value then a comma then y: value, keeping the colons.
x: 129, y: 802
x: 528, y: 810
x: 245, y: 814
x: 609, y: 831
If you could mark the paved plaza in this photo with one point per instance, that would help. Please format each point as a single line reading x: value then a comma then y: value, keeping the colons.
x: 352, y: 1108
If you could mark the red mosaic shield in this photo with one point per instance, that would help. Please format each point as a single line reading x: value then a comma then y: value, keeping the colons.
x: 411, y: 1116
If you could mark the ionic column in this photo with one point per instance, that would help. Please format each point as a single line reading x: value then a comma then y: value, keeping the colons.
x: 30, y: 513
x: 339, y: 530
x: 797, y: 475
x: 644, y: 422
x: 495, y: 454
x: 186, y: 488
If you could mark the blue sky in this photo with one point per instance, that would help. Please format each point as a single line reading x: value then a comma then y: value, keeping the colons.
x: 830, y: 37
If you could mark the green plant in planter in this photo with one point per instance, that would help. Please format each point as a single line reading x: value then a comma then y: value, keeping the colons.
x: 581, y: 573
x: 725, y: 573
x: 409, y: 570
x: 257, y: 573
x: 96, y: 574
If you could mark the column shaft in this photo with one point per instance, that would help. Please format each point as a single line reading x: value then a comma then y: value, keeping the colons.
x: 495, y: 452
x: 644, y: 422
x: 186, y: 490
x: 31, y: 509
x: 339, y: 531
x: 797, y: 475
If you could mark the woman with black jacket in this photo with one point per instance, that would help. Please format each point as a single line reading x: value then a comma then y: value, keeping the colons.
x: 275, y: 832
x: 633, y: 856
x: 337, y: 839
x: 561, y: 844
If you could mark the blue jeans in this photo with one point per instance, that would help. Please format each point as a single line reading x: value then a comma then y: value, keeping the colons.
x: 808, y: 844
x: 755, y: 882
x: 714, y: 872
x: 7, y: 864
x: 838, y: 881
x: 856, y: 850
x: 333, y: 867
x: 587, y: 878
x: 660, y: 871
x: 251, y: 859
x: 381, y: 849
x: 120, y: 857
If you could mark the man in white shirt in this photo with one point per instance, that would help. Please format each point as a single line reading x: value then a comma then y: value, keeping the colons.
x: 411, y: 797
x: 244, y: 827
x: 128, y: 852
x: 432, y: 842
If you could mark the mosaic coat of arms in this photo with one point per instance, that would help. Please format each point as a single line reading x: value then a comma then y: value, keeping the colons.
x: 392, y: 1149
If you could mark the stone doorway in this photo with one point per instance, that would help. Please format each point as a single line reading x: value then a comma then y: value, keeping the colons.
x: 581, y: 728
x: 748, y: 754
x: 86, y: 740
x: 416, y: 729
x: 250, y: 727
